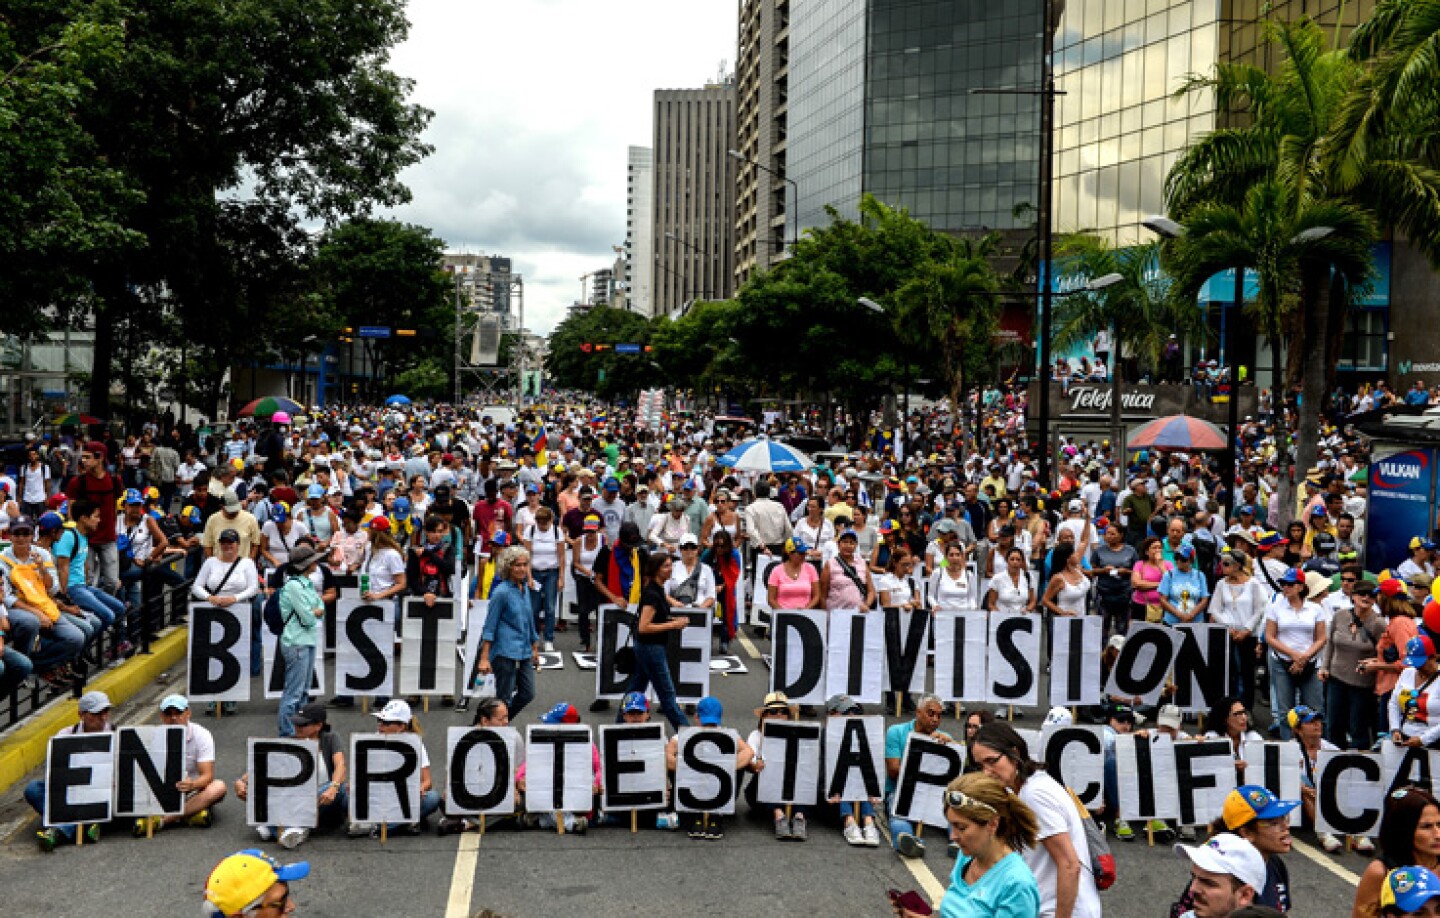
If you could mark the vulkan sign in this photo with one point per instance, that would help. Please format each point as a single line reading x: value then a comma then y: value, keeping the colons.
x: 1098, y: 398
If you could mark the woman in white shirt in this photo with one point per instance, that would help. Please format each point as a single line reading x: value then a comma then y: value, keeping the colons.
x: 384, y: 565
x: 226, y: 577
x: 1239, y: 604
x: 683, y: 569
x: 816, y: 530
x: 1295, y: 634
x: 950, y: 583
x: 1010, y: 589
x: 896, y: 589
x: 547, y: 567
x: 280, y: 535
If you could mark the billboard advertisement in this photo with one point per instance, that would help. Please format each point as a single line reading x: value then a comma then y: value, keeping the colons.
x: 1402, y: 503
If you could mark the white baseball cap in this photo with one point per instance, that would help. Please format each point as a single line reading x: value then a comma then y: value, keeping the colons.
x: 1059, y: 717
x: 397, y: 711
x: 1228, y: 854
x: 1170, y: 716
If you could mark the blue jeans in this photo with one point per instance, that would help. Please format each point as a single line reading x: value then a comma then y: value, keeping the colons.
x: 514, y: 682
x: 847, y: 811
x: 898, y: 827
x: 299, y: 670
x: 429, y: 803
x: 1349, y: 715
x: 257, y: 650
x: 15, y: 667
x: 35, y: 796
x: 544, y: 600
x: 1288, y: 690
x: 60, y: 644
x: 87, y: 623
x: 99, y: 604
x: 652, y: 668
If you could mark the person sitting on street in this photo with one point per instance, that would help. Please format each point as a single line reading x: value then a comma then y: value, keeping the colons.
x: 310, y: 723
x: 709, y: 712
x: 928, y: 711
x: 94, y: 718
x: 857, y: 819
x: 201, y: 788
x: 577, y: 823
x: 396, y: 718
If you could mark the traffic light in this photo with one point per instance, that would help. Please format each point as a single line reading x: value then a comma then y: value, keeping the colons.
x: 404, y: 332
x: 587, y: 347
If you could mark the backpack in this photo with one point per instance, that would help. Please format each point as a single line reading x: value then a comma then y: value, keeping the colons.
x: 1102, y: 861
x: 275, y: 620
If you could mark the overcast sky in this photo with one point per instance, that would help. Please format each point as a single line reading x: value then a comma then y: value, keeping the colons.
x: 536, y: 103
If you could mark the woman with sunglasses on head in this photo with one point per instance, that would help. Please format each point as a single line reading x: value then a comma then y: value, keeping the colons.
x: 1295, y: 634
x: 1409, y: 836
x: 1060, y: 861
x: 1230, y: 720
x: 1349, y: 683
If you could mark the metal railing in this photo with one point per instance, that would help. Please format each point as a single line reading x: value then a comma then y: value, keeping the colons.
x: 163, y: 608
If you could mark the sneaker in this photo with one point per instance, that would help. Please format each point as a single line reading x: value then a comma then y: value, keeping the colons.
x: 872, y: 836
x: 1123, y: 831
x: 1187, y: 833
x: 1361, y: 844
x: 697, y: 829
x: 853, y: 835
x: 1161, y: 830
x: 362, y: 830
x: 92, y: 834
x: 909, y: 846
x: 449, y: 825
x: 799, y: 831
x: 548, y: 646
x: 668, y: 821
x: 1330, y: 843
x: 293, y: 838
x: 579, y: 826
x: 266, y: 833
x: 716, y: 830
x: 230, y: 708
x: 782, y: 829
x: 49, y: 839
x: 153, y: 823
x: 201, y: 820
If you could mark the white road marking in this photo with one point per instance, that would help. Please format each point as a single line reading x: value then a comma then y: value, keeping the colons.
x: 1326, y: 861
x: 934, y: 889
x: 462, y: 880
x: 745, y: 642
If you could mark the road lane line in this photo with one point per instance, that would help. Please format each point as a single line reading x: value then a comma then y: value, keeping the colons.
x: 745, y: 642
x: 934, y: 889
x: 462, y: 880
x: 1324, y: 860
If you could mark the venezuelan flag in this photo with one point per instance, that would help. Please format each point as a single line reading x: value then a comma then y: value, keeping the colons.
x: 541, y: 445
x: 598, y: 419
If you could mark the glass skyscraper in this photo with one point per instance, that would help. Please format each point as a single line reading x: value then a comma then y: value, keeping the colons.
x: 880, y: 102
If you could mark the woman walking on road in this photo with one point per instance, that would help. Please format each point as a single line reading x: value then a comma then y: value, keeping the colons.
x: 510, y: 643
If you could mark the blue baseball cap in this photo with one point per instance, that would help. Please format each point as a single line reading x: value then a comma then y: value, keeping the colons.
x: 315, y: 492
x: 1409, y: 888
x: 562, y: 713
x: 1245, y: 509
x: 1418, y: 650
x: 402, y: 506
x: 795, y: 543
x: 280, y: 512
x: 50, y: 521
x: 133, y: 496
x: 1185, y: 553
x: 709, y: 711
x: 611, y: 484
x: 635, y: 703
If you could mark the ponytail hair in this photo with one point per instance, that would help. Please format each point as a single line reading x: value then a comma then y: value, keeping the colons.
x: 984, y: 799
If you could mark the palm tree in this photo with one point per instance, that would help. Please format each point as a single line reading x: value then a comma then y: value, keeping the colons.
x: 1136, y: 306
x: 948, y: 309
x: 1258, y: 186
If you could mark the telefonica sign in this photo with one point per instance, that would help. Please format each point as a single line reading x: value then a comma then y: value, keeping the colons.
x: 1095, y: 398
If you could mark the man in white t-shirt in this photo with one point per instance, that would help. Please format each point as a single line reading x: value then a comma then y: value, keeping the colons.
x: 201, y: 788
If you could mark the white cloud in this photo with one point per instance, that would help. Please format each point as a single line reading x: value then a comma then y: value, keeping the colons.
x: 535, y: 103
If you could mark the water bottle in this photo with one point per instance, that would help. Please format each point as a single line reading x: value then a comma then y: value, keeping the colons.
x: 669, y: 821
x: 364, y: 584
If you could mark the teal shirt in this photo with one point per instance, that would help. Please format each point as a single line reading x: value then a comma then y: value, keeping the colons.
x: 298, y: 604
x: 1007, y: 890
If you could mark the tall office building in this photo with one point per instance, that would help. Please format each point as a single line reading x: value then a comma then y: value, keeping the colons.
x: 639, y: 231
x: 762, y: 197
x: 879, y: 96
x: 694, y: 203
x: 484, y: 282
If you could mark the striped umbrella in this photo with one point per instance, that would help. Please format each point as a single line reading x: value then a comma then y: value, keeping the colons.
x: 764, y: 455
x: 76, y: 419
x: 1177, y: 431
x: 269, y: 405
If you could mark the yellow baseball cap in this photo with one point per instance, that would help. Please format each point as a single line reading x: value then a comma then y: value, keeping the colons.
x: 240, y: 881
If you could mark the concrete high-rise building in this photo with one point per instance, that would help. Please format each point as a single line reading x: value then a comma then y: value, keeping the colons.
x: 762, y: 198
x: 484, y: 282
x: 694, y: 203
x: 639, y: 232
x: 879, y: 100
x: 602, y: 287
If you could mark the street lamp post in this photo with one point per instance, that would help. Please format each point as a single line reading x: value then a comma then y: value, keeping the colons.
x: 794, y: 190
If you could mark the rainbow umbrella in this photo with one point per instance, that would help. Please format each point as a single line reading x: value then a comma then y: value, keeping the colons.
x: 269, y: 405
x: 76, y: 419
x: 1177, y: 431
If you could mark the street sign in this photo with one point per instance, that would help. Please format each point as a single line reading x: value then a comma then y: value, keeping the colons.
x: 374, y: 331
x: 627, y: 348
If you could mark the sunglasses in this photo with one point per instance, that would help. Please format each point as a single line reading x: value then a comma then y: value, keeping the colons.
x: 959, y: 800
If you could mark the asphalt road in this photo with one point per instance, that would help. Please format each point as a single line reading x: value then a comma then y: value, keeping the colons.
x: 607, y: 872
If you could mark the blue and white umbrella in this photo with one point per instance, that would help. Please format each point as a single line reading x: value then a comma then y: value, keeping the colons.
x: 764, y: 455
x: 397, y: 400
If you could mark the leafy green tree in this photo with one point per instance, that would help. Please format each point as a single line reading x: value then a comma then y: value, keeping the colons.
x: 569, y: 364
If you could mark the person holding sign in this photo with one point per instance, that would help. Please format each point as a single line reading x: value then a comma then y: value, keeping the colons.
x: 857, y: 819
x: 249, y: 883
x: 1415, y: 702
x: 301, y: 609
x: 94, y: 718
x: 709, y: 712
x: 990, y: 879
x: 1061, y: 861
x: 225, y: 579
x: 1069, y: 588
x: 793, y: 584
x: 510, y: 642
x: 845, y: 581
x: 201, y: 788
x: 395, y: 717
x: 652, y: 636
x: 1010, y: 590
x: 574, y: 823
x: 787, y: 828
x: 928, y: 711
x: 1409, y: 835
x: 310, y: 724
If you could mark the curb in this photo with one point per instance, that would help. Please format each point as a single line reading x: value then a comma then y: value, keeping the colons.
x: 26, y: 748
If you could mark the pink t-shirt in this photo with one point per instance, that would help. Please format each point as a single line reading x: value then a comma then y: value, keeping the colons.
x: 792, y: 593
